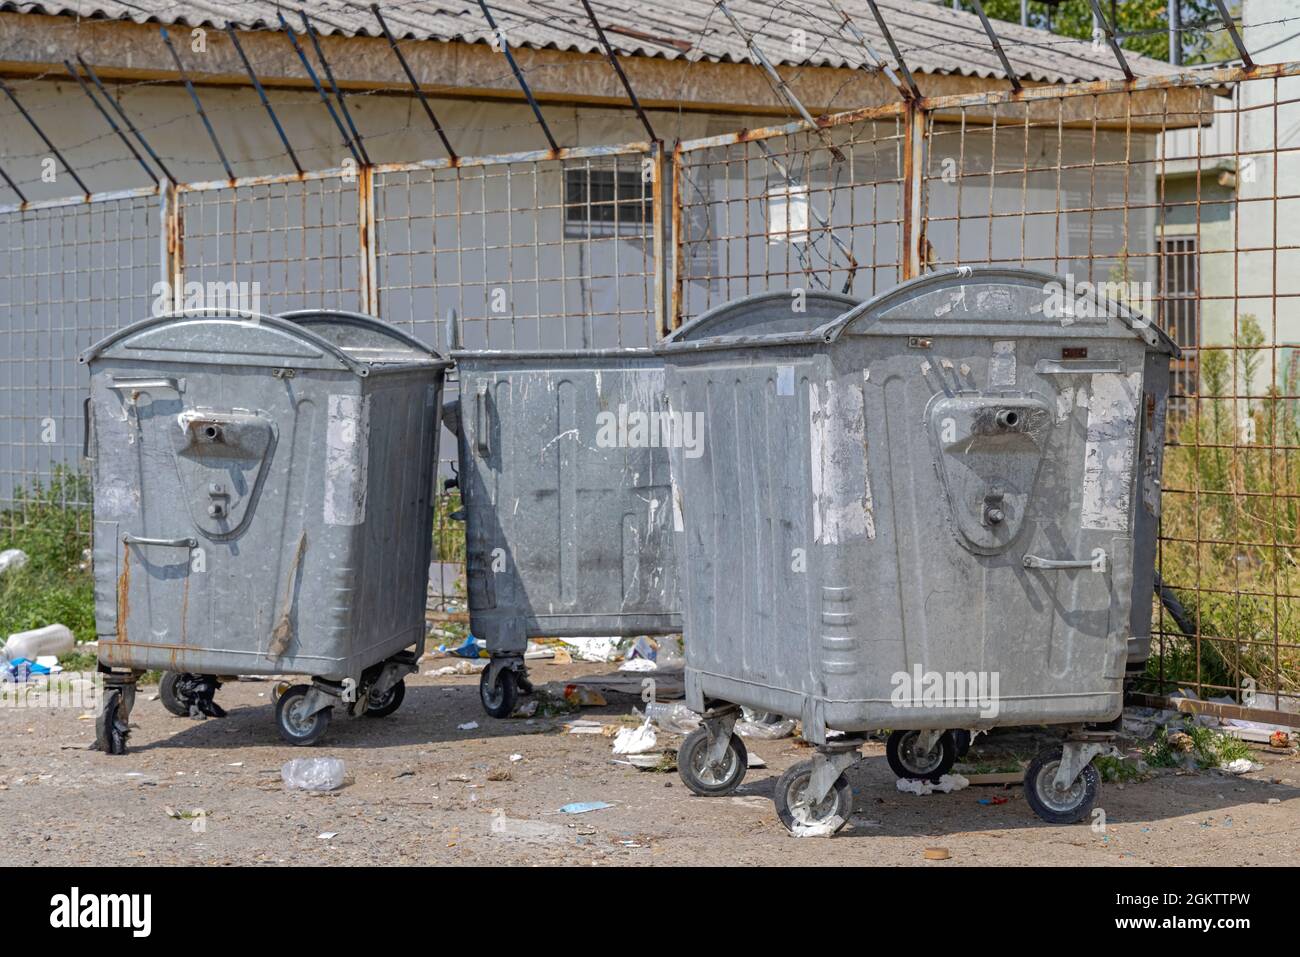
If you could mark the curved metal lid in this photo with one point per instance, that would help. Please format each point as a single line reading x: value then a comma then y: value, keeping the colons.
x: 945, y: 300
x: 364, y: 337
x: 764, y: 314
x: 225, y: 336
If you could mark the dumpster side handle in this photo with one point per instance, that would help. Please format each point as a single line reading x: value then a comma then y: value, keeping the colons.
x: 162, y: 542
x: 1052, y: 564
x: 483, y: 437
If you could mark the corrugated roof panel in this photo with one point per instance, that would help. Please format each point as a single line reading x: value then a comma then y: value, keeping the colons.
x: 933, y: 38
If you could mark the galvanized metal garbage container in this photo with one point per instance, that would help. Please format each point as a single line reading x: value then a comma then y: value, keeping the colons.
x: 263, y: 494
x: 565, y: 482
x: 922, y: 516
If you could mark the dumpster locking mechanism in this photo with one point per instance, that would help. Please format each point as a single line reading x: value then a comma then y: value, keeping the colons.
x: 995, y: 512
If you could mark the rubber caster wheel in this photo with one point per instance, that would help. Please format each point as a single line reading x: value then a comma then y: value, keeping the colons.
x: 799, y: 815
x: 909, y: 762
x: 500, y: 697
x: 172, y: 697
x: 387, y: 703
x: 111, y: 727
x: 1057, y: 806
x: 295, y: 725
x: 711, y: 780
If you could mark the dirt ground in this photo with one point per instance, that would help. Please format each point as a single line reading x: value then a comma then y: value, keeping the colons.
x: 421, y: 791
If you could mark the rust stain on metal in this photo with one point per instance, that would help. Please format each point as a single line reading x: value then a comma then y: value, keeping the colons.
x: 124, y: 593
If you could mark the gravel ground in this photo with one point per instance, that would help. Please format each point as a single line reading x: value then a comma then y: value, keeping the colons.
x: 421, y: 791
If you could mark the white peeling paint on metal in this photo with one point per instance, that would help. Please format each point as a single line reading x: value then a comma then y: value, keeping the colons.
x: 1109, y: 451
x: 837, y: 433
x: 347, y: 448
x: 1002, y: 366
x: 1065, y: 403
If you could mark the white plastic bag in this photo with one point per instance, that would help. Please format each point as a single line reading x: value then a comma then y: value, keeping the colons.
x: 313, y: 774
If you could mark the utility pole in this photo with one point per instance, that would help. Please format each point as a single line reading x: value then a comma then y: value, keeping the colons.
x: 1176, y: 32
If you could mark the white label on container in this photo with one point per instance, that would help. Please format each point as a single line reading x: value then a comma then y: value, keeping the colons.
x: 347, y: 448
x: 1109, y: 452
x: 785, y: 380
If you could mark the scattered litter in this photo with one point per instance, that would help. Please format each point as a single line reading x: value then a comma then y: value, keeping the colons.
x: 561, y: 656
x: 327, y: 835
x: 467, y: 726
x: 595, y: 649
x: 583, y: 696
x: 755, y: 761
x: 993, y: 800
x: 812, y: 830
x: 582, y: 807
x: 1241, y: 766
x: 471, y: 648
x: 535, y: 652
x: 499, y: 774
x: 12, y: 559
x: 663, y: 762
x: 638, y: 664
x: 459, y: 668
x: 946, y: 784
x: 525, y: 709
x: 50, y: 640
x: 936, y: 853
x: 313, y: 774
x: 1279, y: 739
x: 762, y: 726
x: 23, y: 670
x: 516, y: 757
x: 235, y: 764
x: 673, y: 718
x: 583, y: 727
x: 1274, y: 800
x: 636, y: 740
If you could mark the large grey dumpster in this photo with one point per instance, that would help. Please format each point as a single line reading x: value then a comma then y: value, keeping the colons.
x: 263, y: 505
x: 564, y: 477
x: 921, y: 516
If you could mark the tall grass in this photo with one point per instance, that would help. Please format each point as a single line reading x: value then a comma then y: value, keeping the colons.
x: 48, y: 522
x: 1231, y: 524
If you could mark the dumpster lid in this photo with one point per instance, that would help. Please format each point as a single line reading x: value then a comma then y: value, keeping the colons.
x: 765, y: 314
x: 223, y: 336
x: 946, y: 300
x: 364, y: 337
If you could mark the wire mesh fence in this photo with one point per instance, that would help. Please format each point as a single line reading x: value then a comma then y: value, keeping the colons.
x: 788, y: 207
x: 1178, y: 195
x: 70, y: 273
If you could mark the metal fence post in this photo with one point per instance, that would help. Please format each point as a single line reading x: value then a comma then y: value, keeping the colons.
x: 172, y: 259
x: 662, y: 309
x: 914, y: 120
x: 675, y: 237
x: 368, y: 261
